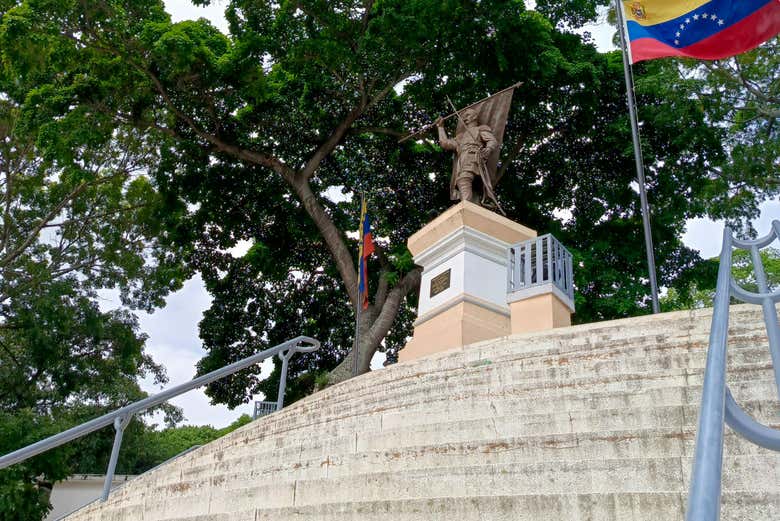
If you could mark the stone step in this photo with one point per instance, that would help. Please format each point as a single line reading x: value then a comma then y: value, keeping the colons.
x: 475, y: 407
x: 323, y: 418
x: 534, y: 425
x: 485, y: 349
x: 641, y: 346
x: 445, y: 367
x: 505, y: 433
x: 589, y: 422
x: 592, y: 476
x: 632, y: 444
x: 738, y: 506
x: 513, y: 399
x: 466, y: 376
x: 753, y: 474
x: 343, y: 431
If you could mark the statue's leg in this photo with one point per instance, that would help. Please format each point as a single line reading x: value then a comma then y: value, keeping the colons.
x: 464, y: 188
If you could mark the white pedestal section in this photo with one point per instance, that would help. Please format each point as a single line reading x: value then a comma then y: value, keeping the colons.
x: 463, y: 292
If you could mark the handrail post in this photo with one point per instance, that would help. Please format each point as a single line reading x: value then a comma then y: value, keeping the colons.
x: 285, y: 357
x: 120, y: 423
x: 768, y: 308
x: 510, y: 283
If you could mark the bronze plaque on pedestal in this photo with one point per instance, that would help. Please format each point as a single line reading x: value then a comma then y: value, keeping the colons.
x: 440, y: 282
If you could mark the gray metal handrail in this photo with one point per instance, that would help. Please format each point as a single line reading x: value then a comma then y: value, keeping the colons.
x: 539, y: 261
x: 172, y: 458
x: 284, y: 356
x: 121, y: 417
x: 717, y: 404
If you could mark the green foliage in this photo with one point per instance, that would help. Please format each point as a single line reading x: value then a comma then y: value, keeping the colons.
x: 321, y: 380
x: 699, y: 291
x: 743, y: 270
x: 572, y: 13
x: 78, y: 217
x: 25, y: 487
x: 165, y: 444
x: 738, y: 98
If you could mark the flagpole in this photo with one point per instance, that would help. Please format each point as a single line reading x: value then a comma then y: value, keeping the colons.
x: 358, y: 303
x: 640, y: 169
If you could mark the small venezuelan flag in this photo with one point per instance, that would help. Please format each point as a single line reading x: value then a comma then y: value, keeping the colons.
x: 365, y: 249
x: 698, y: 28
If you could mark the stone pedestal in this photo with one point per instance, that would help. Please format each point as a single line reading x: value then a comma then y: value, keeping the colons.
x: 541, y: 291
x: 547, y: 310
x: 463, y: 292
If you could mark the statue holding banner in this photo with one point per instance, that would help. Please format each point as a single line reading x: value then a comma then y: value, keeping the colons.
x: 476, y: 145
x: 473, y: 146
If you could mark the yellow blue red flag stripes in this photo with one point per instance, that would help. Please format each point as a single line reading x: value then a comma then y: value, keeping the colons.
x: 365, y: 249
x: 698, y: 29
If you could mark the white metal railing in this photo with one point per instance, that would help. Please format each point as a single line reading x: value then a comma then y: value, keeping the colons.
x: 263, y: 409
x: 539, y: 261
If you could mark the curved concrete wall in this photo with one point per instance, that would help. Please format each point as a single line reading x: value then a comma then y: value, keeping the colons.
x: 593, y: 422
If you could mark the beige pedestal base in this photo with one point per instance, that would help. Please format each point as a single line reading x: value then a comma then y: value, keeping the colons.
x: 463, y: 290
x: 538, y: 313
x: 459, y: 324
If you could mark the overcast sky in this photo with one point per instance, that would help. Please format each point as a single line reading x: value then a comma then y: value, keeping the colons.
x: 173, y: 330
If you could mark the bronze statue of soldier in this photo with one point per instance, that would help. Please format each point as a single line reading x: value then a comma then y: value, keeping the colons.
x: 476, y: 144
x: 473, y: 147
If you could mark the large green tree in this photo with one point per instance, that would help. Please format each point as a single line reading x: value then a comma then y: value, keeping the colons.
x: 271, y: 131
x: 78, y: 216
x: 740, y: 95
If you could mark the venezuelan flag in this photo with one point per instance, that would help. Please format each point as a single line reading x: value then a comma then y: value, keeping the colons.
x: 708, y: 30
x: 365, y: 249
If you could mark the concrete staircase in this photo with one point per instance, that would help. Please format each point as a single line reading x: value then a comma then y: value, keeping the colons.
x: 593, y: 422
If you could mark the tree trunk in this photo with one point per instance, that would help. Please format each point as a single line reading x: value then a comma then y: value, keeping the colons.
x: 374, y: 325
x: 368, y: 347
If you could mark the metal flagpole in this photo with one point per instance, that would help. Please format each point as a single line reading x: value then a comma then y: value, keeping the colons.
x: 358, y: 302
x: 640, y: 169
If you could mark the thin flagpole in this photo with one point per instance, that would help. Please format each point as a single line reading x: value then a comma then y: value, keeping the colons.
x: 358, y: 302
x: 640, y: 169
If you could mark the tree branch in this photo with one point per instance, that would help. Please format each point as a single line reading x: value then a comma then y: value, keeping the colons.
x: 11, y: 355
x: 92, y: 217
x: 33, y: 235
x: 381, y: 291
x: 269, y: 161
x: 367, y: 6
x: 376, y: 130
x: 509, y: 159
x: 332, y: 142
x: 7, y: 211
x: 341, y: 130
x: 332, y: 236
x: 389, y: 311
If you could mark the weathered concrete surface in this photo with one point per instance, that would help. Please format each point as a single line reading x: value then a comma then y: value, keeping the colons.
x: 593, y: 422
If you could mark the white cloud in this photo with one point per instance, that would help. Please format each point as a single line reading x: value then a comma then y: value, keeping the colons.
x: 706, y: 235
x: 174, y: 343
x: 240, y: 248
x: 184, y: 10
